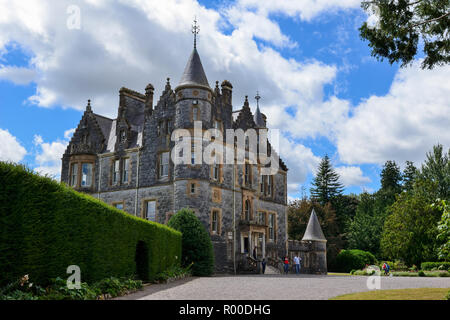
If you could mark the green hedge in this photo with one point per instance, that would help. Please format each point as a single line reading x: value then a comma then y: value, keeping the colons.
x: 46, y: 226
x: 348, y: 260
x: 435, y: 265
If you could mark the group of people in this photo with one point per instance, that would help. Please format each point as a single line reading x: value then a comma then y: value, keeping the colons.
x: 297, y: 261
x: 297, y: 266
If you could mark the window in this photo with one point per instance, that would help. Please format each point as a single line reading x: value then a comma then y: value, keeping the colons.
x: 74, y: 177
x: 118, y: 205
x: 247, y: 210
x: 195, y: 114
x: 215, y: 222
x: 263, y: 184
x: 86, y: 176
x: 261, y: 218
x: 123, y: 135
x: 168, y: 126
x: 218, y: 125
x: 271, y: 226
x: 164, y: 164
x: 116, y: 171
x: 247, y: 175
x: 192, y: 152
x: 216, y: 172
x: 150, y: 210
x: 160, y: 128
x: 192, y: 188
x: 269, y: 185
x: 125, y: 170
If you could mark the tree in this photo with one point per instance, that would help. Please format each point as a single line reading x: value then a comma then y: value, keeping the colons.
x: 436, y: 168
x: 410, y: 231
x: 444, y: 230
x: 409, y: 176
x: 403, y: 24
x: 196, y: 243
x: 366, y: 227
x: 391, y: 178
x: 326, y: 185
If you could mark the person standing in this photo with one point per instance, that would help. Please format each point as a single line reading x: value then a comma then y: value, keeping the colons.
x: 263, y: 263
x: 297, y: 264
x: 286, y: 265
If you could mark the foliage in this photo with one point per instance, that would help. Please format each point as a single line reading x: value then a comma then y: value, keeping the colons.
x: 174, y: 273
x: 391, y: 179
x: 410, y: 174
x: 436, y: 169
x: 403, y: 24
x: 46, y: 227
x: 444, y: 231
x: 58, y: 290
x: 366, y: 227
x: 196, y: 243
x: 354, y: 259
x: 410, y: 230
x: 447, y: 297
x: 435, y: 266
x: 299, y: 212
x: 345, y: 207
x: 326, y: 185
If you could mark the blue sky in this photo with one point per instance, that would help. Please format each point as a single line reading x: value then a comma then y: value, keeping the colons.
x: 319, y: 84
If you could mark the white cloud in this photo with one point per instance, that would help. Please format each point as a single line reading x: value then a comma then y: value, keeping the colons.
x: 352, y: 176
x: 48, y: 158
x: 402, y: 125
x: 10, y: 148
x: 17, y: 75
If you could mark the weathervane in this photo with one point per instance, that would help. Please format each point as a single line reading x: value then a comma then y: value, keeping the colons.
x: 195, y: 31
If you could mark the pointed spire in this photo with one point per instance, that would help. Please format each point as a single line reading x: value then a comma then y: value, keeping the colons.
x: 168, y: 86
x: 194, y: 73
x: 313, y: 230
x: 258, y: 117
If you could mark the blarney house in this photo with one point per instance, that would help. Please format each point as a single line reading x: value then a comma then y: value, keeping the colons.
x: 126, y: 162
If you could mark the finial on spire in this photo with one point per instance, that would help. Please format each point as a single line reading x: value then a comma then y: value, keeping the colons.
x: 88, y: 107
x: 258, y: 97
x: 195, y: 31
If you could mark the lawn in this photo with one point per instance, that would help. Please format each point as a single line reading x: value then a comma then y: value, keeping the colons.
x: 398, y: 294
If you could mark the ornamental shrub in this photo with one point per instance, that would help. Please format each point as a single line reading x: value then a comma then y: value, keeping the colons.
x: 435, y: 265
x: 46, y: 226
x: 196, y: 243
x: 354, y: 259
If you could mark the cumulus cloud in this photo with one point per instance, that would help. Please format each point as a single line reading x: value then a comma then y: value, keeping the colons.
x: 10, y: 148
x: 17, y: 75
x: 48, y: 157
x: 352, y: 176
x: 402, y: 125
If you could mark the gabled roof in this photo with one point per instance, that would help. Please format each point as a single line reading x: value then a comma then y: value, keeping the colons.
x: 194, y: 73
x: 313, y: 230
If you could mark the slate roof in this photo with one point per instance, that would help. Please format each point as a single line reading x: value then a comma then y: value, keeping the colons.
x: 104, y: 124
x: 313, y: 230
x: 194, y: 73
x: 258, y: 118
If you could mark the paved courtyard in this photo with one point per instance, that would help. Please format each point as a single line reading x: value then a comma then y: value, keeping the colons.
x: 276, y: 287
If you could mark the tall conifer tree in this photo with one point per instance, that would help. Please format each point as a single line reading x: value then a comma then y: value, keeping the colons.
x: 326, y: 185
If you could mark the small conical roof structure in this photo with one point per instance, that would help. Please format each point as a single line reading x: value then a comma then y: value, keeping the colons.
x: 313, y: 230
x: 258, y: 118
x: 194, y: 73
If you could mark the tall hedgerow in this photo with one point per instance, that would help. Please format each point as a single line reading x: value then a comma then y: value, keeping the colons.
x: 46, y: 226
x: 196, y: 243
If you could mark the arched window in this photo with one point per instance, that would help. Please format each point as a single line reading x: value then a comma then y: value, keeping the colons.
x: 247, y: 210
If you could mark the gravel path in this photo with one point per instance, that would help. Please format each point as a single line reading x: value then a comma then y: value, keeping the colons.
x: 275, y: 287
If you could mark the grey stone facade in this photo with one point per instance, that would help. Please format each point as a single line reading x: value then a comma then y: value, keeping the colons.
x: 121, y: 162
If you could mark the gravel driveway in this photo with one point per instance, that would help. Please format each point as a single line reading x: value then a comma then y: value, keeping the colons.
x: 275, y: 287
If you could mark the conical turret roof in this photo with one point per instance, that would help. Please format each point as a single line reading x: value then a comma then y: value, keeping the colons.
x: 258, y: 118
x: 194, y: 73
x: 313, y: 230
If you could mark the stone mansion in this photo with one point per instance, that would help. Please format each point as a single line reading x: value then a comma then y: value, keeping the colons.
x: 126, y: 163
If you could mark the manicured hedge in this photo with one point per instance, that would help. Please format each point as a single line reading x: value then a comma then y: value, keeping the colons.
x: 435, y: 265
x: 348, y: 260
x: 46, y: 226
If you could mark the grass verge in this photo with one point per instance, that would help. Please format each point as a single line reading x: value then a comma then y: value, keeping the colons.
x: 398, y: 294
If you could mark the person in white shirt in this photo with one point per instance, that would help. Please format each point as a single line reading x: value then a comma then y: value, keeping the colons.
x: 297, y: 264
